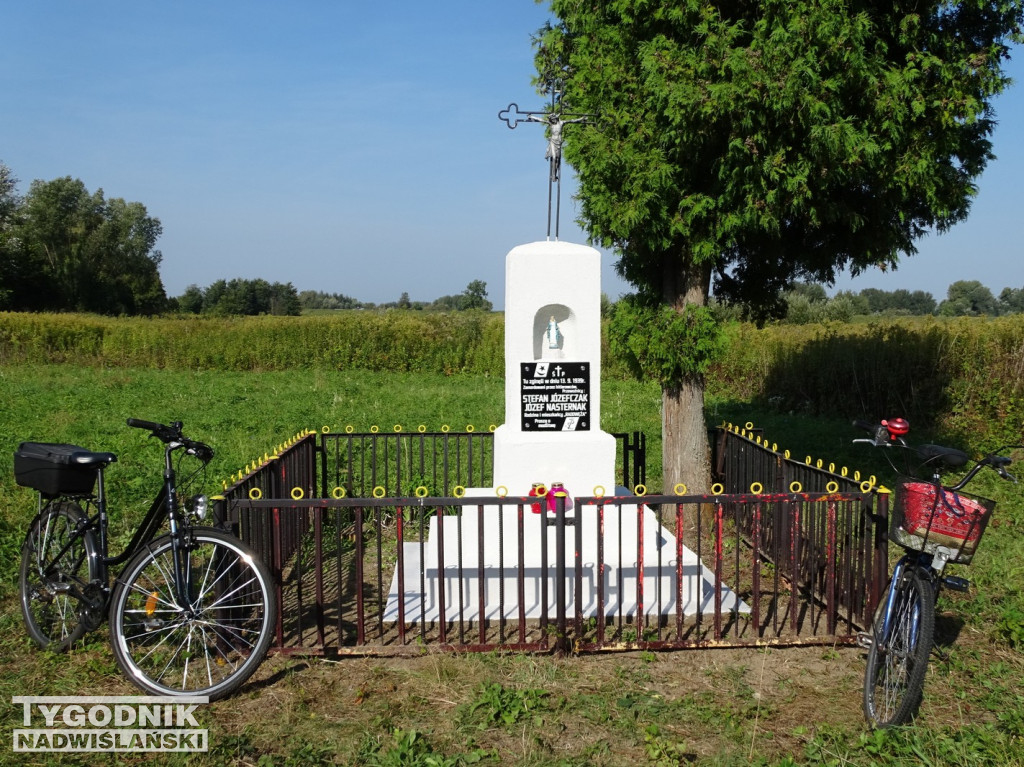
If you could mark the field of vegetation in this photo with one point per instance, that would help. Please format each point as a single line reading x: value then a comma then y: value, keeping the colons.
x: 244, y: 385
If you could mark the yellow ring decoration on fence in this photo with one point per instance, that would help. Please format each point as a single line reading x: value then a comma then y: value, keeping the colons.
x: 599, y: 491
x: 756, y: 488
x: 819, y: 464
x: 379, y: 491
x: 843, y: 472
x: 717, y: 489
x: 422, y: 492
x: 298, y: 493
x: 640, y: 489
x: 492, y: 428
x: 255, y: 494
x: 832, y: 487
x: 808, y: 460
x: 749, y: 425
x: 832, y: 468
x: 374, y: 429
x: 422, y: 428
x: 458, y: 491
x: 865, y: 486
x: 775, y: 447
x: 679, y: 489
x: 349, y: 429
x: 856, y: 475
x: 786, y: 455
x: 795, y: 487
x: 397, y: 428
x: 470, y: 428
x: 873, y: 480
x: 501, y: 491
x: 338, y: 493
x: 444, y: 428
x: 325, y: 429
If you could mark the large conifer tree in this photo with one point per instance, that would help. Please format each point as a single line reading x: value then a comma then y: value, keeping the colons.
x: 746, y: 145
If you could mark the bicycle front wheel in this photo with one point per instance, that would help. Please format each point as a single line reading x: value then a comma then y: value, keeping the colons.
x: 210, y: 639
x: 59, y: 561
x: 894, y: 678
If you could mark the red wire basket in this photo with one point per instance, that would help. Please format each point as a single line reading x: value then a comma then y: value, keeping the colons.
x: 928, y: 516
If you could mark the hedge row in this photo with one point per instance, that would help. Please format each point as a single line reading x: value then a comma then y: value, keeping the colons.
x: 468, y: 342
x: 965, y: 374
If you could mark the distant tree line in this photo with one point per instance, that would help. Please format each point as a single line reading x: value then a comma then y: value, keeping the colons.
x: 808, y: 302
x: 240, y: 296
x: 473, y: 297
x: 63, y: 248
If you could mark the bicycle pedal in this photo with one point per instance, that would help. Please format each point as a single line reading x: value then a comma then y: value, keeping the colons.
x: 865, y: 640
x: 953, y: 583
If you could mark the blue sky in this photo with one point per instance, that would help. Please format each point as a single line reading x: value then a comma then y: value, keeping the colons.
x: 346, y: 146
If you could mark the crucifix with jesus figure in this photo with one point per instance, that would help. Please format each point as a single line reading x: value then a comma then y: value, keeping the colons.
x: 556, y: 120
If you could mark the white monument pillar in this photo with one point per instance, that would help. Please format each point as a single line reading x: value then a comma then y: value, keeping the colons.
x: 552, y: 430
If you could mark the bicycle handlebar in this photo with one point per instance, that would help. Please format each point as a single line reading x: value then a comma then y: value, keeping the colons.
x: 885, y: 435
x: 172, y: 434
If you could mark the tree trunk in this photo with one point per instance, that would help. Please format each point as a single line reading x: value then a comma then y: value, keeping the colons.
x: 686, y: 455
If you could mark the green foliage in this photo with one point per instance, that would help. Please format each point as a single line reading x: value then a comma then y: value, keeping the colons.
x: 496, y: 704
x: 63, y: 248
x: 315, y: 299
x: 898, y: 301
x: 241, y: 297
x: 663, y: 345
x: 389, y: 341
x: 773, y: 141
x: 410, y: 748
x: 968, y: 298
x: 962, y: 376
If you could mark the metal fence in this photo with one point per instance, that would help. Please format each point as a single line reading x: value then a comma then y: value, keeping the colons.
x: 787, y: 564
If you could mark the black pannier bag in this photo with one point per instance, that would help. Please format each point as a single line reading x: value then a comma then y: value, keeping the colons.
x: 54, y: 469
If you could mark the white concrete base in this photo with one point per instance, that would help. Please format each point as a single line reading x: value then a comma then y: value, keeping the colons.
x: 500, y: 570
x: 581, y: 461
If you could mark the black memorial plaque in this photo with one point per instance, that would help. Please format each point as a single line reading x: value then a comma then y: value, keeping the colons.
x: 555, y: 396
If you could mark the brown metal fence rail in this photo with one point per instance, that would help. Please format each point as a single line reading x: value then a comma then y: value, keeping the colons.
x: 399, y: 574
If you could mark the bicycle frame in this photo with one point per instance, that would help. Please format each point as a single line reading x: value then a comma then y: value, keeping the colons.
x: 163, y: 506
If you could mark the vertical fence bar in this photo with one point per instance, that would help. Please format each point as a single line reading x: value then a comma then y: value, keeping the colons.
x: 399, y: 571
x: 443, y: 618
x: 602, y: 610
x: 679, y: 571
x: 360, y: 598
x: 521, y: 570
x: 830, y: 567
x: 481, y: 586
x: 560, y: 644
x: 318, y: 564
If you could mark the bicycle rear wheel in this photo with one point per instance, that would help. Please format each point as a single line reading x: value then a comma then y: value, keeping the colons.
x: 894, y: 677
x: 209, y: 646
x: 58, y: 562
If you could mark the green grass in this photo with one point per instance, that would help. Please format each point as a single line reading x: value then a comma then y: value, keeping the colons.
x: 724, y: 707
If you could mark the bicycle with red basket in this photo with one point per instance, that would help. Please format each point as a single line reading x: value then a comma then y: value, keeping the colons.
x: 936, y: 525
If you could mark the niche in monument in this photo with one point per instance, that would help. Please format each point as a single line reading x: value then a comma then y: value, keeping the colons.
x: 554, y: 330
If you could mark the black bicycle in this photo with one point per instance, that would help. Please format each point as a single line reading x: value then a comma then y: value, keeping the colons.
x: 190, y: 612
x: 935, y: 525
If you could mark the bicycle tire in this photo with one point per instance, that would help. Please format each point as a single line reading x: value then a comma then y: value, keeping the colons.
x: 896, y: 666
x: 209, y: 649
x: 53, y: 582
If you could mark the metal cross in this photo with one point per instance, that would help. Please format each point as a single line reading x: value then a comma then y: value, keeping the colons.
x: 555, y: 120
